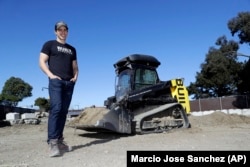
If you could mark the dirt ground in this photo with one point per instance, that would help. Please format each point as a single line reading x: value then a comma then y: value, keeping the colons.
x: 25, y: 145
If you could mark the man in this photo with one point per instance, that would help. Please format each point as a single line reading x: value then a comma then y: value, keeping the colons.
x: 58, y: 60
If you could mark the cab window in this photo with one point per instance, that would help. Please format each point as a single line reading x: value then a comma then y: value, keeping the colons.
x: 144, y: 78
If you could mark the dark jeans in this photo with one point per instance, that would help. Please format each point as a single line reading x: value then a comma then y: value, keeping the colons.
x: 60, y: 94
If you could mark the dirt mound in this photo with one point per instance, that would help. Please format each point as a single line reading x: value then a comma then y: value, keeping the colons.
x: 89, y: 116
x: 219, y: 118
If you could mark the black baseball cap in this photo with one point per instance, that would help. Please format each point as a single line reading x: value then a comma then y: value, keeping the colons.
x: 60, y: 24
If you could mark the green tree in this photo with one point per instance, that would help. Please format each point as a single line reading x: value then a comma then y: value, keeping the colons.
x: 42, y: 103
x: 15, y: 90
x: 219, y: 73
x: 241, y: 25
x: 244, y: 86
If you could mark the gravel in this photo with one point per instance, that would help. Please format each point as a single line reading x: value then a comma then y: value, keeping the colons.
x: 25, y: 145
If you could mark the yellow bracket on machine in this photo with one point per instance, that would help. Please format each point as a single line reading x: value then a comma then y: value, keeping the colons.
x: 179, y: 92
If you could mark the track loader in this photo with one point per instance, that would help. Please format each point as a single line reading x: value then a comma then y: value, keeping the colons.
x: 142, y: 103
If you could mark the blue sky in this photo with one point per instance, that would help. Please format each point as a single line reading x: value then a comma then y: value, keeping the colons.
x: 178, y: 33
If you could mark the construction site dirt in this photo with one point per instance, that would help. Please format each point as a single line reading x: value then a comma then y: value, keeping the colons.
x: 25, y: 145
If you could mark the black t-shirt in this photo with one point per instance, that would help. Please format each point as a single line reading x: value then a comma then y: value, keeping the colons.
x: 60, y: 58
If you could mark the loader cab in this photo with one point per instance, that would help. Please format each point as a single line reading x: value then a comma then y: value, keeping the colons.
x: 134, y: 80
x: 134, y: 73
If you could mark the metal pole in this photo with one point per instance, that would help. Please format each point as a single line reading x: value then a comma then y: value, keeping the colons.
x: 200, y: 104
x: 220, y: 103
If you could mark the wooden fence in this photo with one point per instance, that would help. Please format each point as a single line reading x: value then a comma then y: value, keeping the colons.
x: 220, y: 103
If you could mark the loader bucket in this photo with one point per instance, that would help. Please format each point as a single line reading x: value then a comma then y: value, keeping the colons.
x: 101, y: 119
